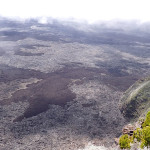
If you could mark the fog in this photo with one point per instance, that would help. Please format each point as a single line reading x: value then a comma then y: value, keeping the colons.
x: 91, y: 11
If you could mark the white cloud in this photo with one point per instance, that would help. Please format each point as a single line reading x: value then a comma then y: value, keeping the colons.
x: 91, y: 10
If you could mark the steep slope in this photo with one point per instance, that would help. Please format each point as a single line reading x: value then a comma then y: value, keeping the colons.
x: 136, y: 100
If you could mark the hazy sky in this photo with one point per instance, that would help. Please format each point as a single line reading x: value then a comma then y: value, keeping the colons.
x: 91, y: 10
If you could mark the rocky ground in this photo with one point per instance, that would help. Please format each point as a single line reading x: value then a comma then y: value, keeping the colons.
x: 60, y: 87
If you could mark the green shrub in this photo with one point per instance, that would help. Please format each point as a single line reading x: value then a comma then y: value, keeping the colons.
x: 147, y: 120
x: 141, y: 135
x: 137, y: 134
x: 145, y: 137
x: 124, y: 141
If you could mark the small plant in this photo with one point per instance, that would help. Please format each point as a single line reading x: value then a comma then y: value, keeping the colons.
x: 141, y: 135
x: 145, y: 137
x: 124, y: 142
x: 137, y: 134
x: 147, y: 120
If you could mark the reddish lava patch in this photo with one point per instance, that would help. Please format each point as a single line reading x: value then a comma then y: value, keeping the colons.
x: 53, y: 88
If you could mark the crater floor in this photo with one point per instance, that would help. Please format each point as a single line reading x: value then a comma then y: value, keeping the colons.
x: 60, y: 86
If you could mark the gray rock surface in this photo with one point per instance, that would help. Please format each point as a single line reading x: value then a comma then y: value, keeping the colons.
x: 60, y: 86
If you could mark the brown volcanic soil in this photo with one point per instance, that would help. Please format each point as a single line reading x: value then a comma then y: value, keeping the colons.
x: 8, y: 74
x: 53, y: 90
x: 54, y: 87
